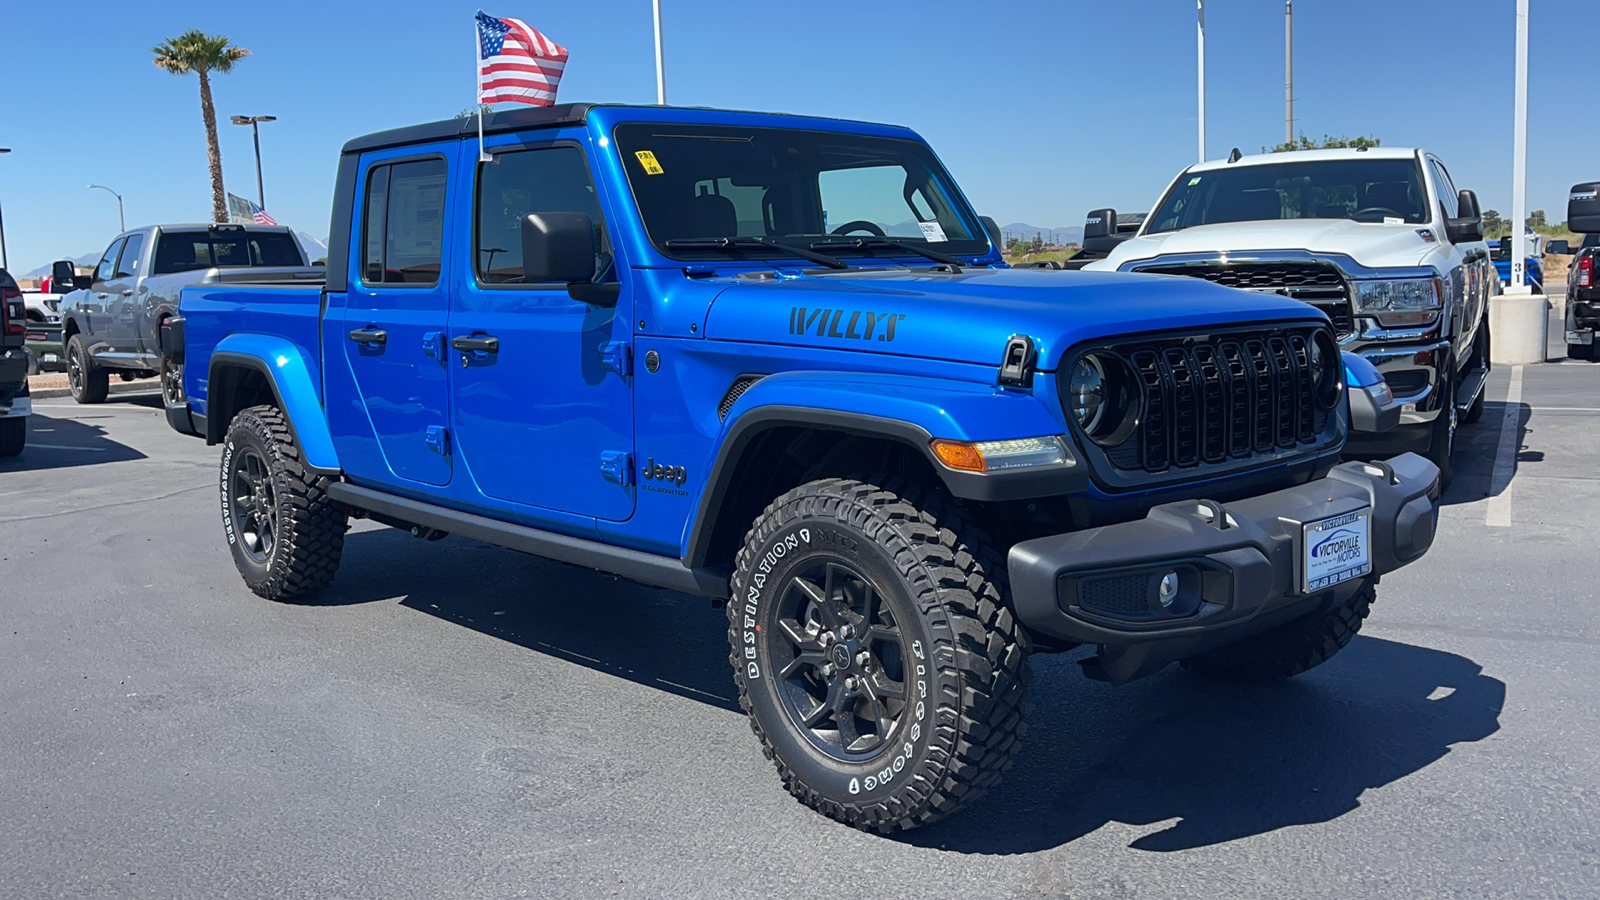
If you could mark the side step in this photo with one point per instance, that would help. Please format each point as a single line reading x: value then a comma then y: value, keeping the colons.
x: 1471, y: 386
x: 635, y: 565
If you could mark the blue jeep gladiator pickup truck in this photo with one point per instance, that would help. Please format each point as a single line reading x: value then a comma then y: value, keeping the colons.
x: 777, y: 361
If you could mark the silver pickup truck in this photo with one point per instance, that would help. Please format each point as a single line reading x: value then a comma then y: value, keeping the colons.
x: 119, y: 319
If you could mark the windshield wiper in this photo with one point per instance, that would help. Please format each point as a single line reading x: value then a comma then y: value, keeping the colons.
x: 888, y: 244
x: 745, y: 243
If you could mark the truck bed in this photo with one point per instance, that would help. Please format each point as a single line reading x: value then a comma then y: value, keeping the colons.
x: 219, y: 315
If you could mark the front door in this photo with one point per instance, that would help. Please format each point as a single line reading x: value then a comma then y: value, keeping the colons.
x: 547, y: 418
x: 394, y: 322
x: 122, y: 304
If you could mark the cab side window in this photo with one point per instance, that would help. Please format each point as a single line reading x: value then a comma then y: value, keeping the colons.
x: 107, y: 268
x: 529, y: 181
x: 1448, y: 200
x: 128, y: 262
x: 403, y: 241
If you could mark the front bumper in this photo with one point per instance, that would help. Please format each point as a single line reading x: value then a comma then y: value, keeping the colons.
x: 1238, y: 565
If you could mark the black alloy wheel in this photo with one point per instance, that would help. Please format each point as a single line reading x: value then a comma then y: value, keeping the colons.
x: 89, y: 383
x: 841, y: 665
x: 171, y: 382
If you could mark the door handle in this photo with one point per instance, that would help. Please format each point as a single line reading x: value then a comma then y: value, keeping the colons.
x: 370, y: 336
x: 127, y: 293
x: 480, y: 343
x: 100, y: 296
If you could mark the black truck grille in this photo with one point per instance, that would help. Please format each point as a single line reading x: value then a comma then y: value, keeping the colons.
x: 1318, y: 284
x: 1219, y: 398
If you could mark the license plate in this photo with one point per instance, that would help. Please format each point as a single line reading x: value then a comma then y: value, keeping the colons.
x: 51, y: 357
x: 1336, y: 550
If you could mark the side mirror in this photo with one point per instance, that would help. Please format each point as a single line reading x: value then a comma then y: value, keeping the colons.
x: 560, y: 247
x: 1562, y: 247
x: 1583, y: 208
x: 1101, y: 223
x: 1467, y: 226
x: 993, y: 228
x: 64, y: 277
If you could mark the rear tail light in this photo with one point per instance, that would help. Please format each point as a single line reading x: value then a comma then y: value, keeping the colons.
x: 12, y: 318
x: 1586, y: 271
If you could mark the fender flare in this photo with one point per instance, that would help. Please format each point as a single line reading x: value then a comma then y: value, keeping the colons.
x: 909, y: 410
x: 284, y: 366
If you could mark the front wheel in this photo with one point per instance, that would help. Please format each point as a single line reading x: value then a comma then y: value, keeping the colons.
x: 883, y: 673
x: 88, y: 382
x: 285, y: 533
x: 1288, y: 649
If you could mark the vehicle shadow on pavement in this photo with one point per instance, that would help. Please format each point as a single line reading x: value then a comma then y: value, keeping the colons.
x: 657, y: 638
x: 61, y: 443
x: 1476, y: 446
x: 1212, y: 763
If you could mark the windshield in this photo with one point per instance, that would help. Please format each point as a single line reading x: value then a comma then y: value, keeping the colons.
x: 186, y: 251
x: 696, y: 183
x: 1365, y: 190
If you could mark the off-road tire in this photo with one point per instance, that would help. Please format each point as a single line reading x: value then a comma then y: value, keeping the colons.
x: 945, y: 586
x: 88, y: 382
x: 307, y: 527
x: 13, y: 435
x: 1288, y: 649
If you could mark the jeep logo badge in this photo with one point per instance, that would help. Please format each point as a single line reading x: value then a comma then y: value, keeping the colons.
x: 670, y: 474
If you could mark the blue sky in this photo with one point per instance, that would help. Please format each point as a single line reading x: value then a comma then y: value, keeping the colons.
x: 1041, y: 112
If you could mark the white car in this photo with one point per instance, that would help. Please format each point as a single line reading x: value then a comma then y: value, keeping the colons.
x: 1379, y: 239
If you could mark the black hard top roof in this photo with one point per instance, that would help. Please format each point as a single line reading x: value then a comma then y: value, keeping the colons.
x: 518, y: 119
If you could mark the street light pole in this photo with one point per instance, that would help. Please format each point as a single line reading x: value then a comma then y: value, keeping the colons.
x: 4, y: 262
x: 122, y: 224
x: 1288, y: 71
x: 661, y: 70
x: 261, y: 191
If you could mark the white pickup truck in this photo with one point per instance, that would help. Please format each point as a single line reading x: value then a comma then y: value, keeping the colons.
x: 1379, y: 239
x: 121, y: 318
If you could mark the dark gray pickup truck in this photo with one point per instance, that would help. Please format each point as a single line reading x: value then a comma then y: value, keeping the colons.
x: 115, y: 320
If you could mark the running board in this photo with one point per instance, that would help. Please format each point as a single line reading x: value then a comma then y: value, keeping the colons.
x: 1471, y: 386
x: 635, y: 565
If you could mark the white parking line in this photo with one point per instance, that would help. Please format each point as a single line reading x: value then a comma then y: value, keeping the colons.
x: 1498, y: 514
x: 65, y: 447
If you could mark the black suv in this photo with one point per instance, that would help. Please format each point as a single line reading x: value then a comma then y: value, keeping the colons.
x: 15, y: 404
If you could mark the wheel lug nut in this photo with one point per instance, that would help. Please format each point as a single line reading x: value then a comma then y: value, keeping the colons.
x: 863, y: 658
x: 851, y: 682
x: 846, y: 632
x: 827, y: 670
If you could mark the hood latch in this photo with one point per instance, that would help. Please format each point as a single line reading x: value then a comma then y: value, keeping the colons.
x: 1016, y: 367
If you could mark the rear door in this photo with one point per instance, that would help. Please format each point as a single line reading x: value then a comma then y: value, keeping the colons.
x: 547, y: 419
x: 394, y: 321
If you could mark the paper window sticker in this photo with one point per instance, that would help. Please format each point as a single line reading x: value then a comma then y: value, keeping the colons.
x: 932, y: 232
x: 1393, y: 220
x: 647, y: 159
x: 1193, y: 181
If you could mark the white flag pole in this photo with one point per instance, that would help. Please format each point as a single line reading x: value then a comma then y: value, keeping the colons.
x: 477, y: 96
x: 661, y: 72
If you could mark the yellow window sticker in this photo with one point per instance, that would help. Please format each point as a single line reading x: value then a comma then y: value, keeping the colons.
x: 648, y: 160
x: 1194, y: 181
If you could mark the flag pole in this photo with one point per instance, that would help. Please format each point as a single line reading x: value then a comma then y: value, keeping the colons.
x: 477, y: 97
x: 661, y: 71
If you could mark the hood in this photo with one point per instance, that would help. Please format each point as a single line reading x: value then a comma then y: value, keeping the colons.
x: 969, y: 317
x: 1372, y: 245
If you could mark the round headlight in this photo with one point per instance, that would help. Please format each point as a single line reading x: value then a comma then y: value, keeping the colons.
x: 1327, y: 369
x: 1086, y: 393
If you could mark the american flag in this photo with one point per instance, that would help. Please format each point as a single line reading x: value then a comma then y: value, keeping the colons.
x: 517, y: 64
x: 260, y: 215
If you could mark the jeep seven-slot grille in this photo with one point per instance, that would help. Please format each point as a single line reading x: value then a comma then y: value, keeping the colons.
x: 1318, y: 284
x: 1219, y: 398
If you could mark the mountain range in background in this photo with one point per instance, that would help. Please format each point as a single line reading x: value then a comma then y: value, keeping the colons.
x: 314, y: 248
x: 1069, y: 235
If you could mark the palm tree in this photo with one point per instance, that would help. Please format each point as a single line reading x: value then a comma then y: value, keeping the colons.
x: 201, y: 53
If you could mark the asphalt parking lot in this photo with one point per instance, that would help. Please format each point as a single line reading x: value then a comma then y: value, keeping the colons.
x: 455, y: 720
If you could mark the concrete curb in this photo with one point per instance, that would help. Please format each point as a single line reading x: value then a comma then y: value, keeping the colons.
x: 119, y: 387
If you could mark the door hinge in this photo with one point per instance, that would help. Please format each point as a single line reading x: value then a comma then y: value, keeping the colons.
x: 618, y: 357
x: 437, y: 438
x: 433, y: 345
x: 617, y: 467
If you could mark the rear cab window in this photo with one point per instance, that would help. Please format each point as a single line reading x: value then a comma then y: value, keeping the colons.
x: 186, y: 251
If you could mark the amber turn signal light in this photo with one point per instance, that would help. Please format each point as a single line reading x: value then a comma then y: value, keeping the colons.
x: 959, y: 455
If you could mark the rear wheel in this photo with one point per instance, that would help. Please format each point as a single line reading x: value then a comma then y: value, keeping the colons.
x: 13, y: 435
x: 882, y: 671
x: 88, y: 382
x: 171, y: 382
x: 1289, y: 649
x: 285, y: 533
